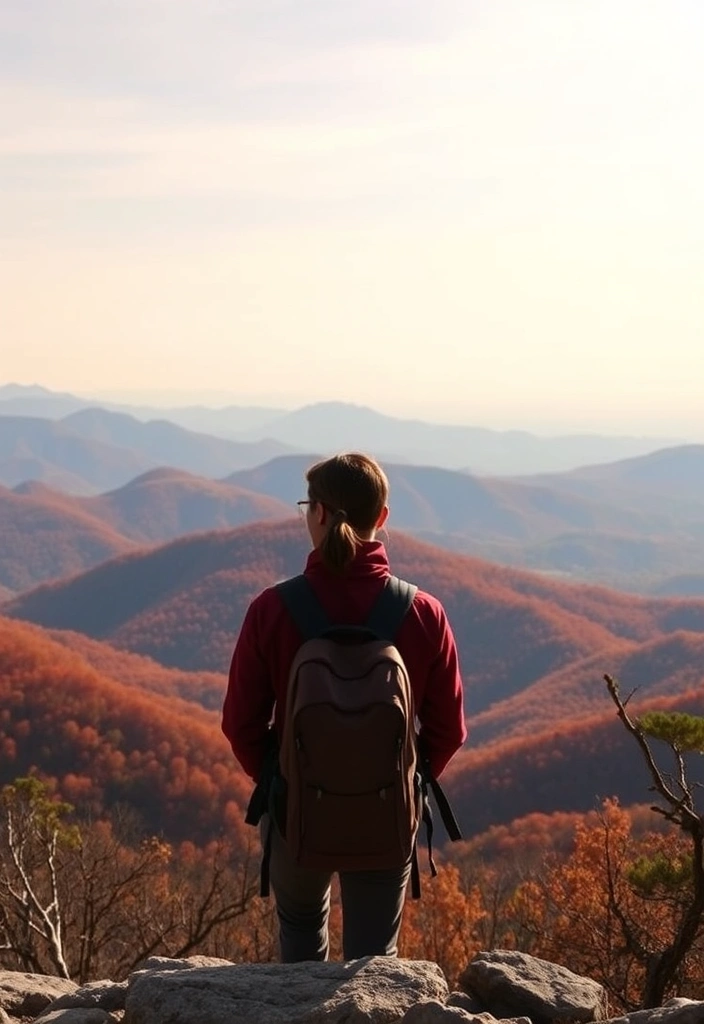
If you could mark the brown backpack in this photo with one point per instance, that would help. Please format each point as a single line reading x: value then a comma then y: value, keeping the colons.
x: 348, y: 750
x: 348, y: 786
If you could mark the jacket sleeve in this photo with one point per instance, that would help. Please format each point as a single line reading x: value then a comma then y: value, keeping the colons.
x: 441, y: 715
x: 250, y: 697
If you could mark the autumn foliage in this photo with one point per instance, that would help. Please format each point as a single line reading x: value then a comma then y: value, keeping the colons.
x: 104, y: 742
x: 125, y: 713
x: 571, y: 912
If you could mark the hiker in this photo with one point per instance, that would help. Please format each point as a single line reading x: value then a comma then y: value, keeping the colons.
x: 344, y: 576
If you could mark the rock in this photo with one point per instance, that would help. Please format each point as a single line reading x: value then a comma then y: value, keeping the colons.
x: 26, y: 995
x: 373, y: 990
x: 472, y: 1006
x: 674, y: 1011
x: 512, y: 984
x: 77, y: 1015
x: 165, y: 963
x: 104, y: 995
x: 469, y: 1003
x: 433, y: 1012
x: 454, y: 1011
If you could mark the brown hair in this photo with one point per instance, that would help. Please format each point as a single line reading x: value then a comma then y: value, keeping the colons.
x: 354, y: 490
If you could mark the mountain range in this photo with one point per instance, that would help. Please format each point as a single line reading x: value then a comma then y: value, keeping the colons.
x: 94, y: 450
x: 616, y: 524
x: 113, y: 660
x: 182, y: 603
x: 131, y: 545
x: 335, y: 426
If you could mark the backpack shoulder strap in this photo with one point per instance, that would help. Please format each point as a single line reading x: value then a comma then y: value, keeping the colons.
x: 390, y: 608
x: 303, y: 606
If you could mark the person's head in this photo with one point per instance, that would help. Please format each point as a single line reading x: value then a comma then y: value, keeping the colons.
x: 347, y: 503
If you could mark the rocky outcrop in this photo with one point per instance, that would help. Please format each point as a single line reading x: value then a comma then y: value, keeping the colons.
x: 501, y: 985
x: 516, y: 984
x: 26, y: 995
x: 676, y: 1011
x: 377, y: 990
x: 97, y: 997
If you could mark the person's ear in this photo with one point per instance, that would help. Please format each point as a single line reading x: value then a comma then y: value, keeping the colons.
x: 320, y: 513
x: 383, y: 516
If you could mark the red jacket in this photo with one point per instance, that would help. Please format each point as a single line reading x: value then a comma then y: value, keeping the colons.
x: 269, y: 640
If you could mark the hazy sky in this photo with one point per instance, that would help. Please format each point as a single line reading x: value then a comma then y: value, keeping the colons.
x: 480, y: 210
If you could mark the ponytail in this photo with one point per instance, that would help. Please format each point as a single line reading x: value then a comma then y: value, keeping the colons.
x: 340, y: 543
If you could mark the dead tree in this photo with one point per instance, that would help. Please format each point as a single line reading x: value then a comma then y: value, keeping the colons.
x: 683, y: 734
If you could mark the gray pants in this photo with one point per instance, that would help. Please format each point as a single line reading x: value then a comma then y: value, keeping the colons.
x: 372, y: 907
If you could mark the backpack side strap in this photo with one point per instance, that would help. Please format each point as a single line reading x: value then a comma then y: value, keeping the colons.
x: 390, y: 608
x: 429, y: 782
x: 303, y: 606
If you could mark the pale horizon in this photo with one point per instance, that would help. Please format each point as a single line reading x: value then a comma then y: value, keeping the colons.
x: 670, y: 432
x: 480, y: 213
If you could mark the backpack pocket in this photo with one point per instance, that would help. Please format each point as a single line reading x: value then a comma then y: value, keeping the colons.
x: 353, y: 829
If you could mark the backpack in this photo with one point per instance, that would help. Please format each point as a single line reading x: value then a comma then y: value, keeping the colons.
x: 348, y: 786
x: 348, y: 750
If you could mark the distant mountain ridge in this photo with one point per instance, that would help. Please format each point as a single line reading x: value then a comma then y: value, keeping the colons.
x: 675, y: 475
x: 600, y: 532
x: 94, y: 450
x: 576, y: 525
x: 334, y: 426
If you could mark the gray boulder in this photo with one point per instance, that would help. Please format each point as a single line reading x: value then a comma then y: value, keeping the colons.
x: 165, y: 963
x: 103, y: 995
x: 674, y: 1011
x: 471, y: 1004
x: 26, y: 995
x: 433, y: 1012
x: 477, y: 1010
x: 77, y: 1015
x: 373, y: 990
x: 513, y: 984
x: 453, y: 1012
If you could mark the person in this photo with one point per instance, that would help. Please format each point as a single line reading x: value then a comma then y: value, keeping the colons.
x: 347, y: 503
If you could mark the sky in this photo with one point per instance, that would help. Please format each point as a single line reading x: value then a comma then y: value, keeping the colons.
x: 478, y: 211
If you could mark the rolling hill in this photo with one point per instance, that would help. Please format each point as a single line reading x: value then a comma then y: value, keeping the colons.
x: 182, y: 604
x: 167, y: 444
x: 482, y: 510
x: 53, y: 453
x: 45, y: 536
x: 107, y: 743
x: 345, y: 426
x: 667, y: 665
x: 206, y: 689
x: 94, y: 450
x: 545, y: 528
x: 556, y: 524
x: 686, y: 584
x: 572, y: 765
x: 111, y: 728
x: 670, y: 478
x: 168, y: 503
